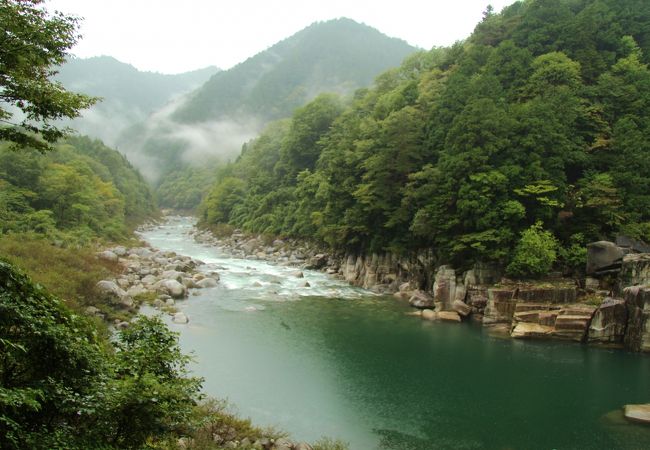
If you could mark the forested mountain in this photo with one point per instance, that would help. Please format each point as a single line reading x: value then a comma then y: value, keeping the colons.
x: 518, y: 145
x: 335, y: 56
x: 229, y: 109
x: 78, y: 192
x: 128, y: 95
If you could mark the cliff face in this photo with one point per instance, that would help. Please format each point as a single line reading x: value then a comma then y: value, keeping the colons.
x: 550, y: 310
x: 613, y: 307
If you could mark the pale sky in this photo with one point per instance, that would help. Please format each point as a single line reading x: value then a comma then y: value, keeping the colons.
x: 173, y: 36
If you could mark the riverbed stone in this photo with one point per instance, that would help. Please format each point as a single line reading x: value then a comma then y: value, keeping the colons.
x: 637, y: 413
x: 448, y: 316
x: 180, y: 318
x: 173, y: 275
x: 420, y: 299
x: 461, y: 308
x: 525, y: 330
x: 282, y: 444
x: 109, y: 291
x: 172, y: 287
x: 206, y: 283
x: 107, y: 255
x: 429, y: 314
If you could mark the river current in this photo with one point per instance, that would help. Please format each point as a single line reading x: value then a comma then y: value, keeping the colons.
x: 334, y: 360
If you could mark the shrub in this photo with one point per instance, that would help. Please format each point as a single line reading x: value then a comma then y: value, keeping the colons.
x: 535, y: 253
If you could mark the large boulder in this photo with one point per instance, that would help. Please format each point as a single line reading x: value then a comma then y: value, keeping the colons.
x: 172, y: 288
x: 173, y: 275
x: 448, y: 316
x: 110, y: 292
x: 107, y: 255
x: 461, y: 308
x: 207, y: 283
x: 317, y: 262
x: 180, y: 317
x: 602, y: 256
x: 609, y: 323
x: 420, y: 299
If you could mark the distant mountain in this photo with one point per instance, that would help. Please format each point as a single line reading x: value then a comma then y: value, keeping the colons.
x: 129, y: 95
x: 232, y: 106
x: 335, y: 56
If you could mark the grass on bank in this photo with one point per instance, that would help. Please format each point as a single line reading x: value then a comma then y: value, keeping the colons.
x: 70, y: 273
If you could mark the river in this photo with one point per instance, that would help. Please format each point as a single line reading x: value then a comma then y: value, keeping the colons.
x: 333, y: 360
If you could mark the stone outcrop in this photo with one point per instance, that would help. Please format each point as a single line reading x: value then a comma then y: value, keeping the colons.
x: 550, y: 320
x: 152, y: 275
x: 448, y: 288
x: 500, y: 306
x: 635, y: 271
x: 637, y: 333
x: 420, y: 299
x: 603, y: 256
x: 609, y: 323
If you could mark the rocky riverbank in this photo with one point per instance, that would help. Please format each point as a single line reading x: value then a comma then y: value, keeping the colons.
x: 610, y: 307
x: 152, y: 276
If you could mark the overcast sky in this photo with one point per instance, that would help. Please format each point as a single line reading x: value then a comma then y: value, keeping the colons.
x: 172, y: 36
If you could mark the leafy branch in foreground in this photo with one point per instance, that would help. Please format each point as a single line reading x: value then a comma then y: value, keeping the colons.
x: 32, y: 43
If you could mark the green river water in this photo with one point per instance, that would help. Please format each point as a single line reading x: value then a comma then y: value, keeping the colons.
x: 337, y: 361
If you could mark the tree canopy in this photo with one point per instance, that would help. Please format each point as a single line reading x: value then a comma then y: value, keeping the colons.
x: 535, y: 126
x: 33, y: 42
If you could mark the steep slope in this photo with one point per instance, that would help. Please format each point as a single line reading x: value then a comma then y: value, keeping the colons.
x: 335, y: 56
x: 232, y: 107
x: 514, y: 148
x: 129, y: 95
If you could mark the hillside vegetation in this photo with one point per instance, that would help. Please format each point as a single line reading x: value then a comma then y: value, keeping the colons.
x: 128, y: 95
x: 530, y: 138
x: 208, y: 127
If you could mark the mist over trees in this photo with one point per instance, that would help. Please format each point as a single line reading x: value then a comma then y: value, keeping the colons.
x: 538, y: 122
x: 208, y: 126
x: 128, y: 95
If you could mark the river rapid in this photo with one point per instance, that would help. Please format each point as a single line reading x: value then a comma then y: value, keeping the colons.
x: 334, y: 360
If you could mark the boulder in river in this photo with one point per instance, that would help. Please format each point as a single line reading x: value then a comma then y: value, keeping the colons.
x: 180, y: 318
x: 420, y: 299
x: 429, y: 314
x: 172, y: 288
x: 206, y: 283
x: 637, y: 413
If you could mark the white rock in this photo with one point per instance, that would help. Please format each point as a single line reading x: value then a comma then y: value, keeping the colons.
x: 180, y: 317
x: 206, y: 283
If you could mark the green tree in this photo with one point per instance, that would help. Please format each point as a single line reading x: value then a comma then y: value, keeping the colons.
x: 535, y: 253
x: 32, y: 43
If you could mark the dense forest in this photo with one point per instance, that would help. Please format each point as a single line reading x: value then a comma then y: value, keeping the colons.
x: 514, y: 147
x: 80, y: 191
x: 208, y: 126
